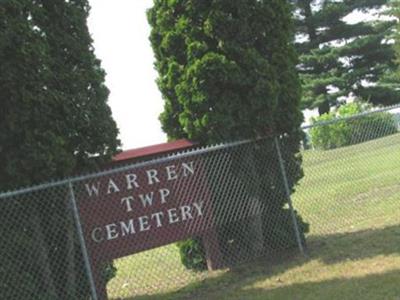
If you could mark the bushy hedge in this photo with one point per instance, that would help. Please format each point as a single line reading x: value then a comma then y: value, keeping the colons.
x: 351, y: 131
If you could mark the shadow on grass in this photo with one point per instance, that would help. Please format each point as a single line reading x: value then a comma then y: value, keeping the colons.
x: 356, y: 245
x: 377, y: 286
x: 330, y: 249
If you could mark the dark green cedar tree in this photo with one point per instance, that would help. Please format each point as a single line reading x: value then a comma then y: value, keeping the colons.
x: 54, y: 122
x: 338, y: 59
x: 227, y: 72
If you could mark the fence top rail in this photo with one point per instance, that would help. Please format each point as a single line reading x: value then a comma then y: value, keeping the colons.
x: 357, y: 116
x: 183, y: 154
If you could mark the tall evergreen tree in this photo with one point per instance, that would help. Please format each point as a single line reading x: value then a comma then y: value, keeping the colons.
x: 227, y: 71
x: 392, y: 79
x: 225, y: 68
x: 54, y: 112
x: 338, y: 58
x: 54, y: 121
x: 395, y: 11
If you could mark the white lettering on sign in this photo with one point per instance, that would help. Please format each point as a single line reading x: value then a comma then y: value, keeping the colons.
x: 112, y: 187
x: 128, y: 202
x: 185, y: 212
x: 93, y: 189
x: 131, y: 181
x: 158, y: 216
x: 152, y: 176
x: 164, y: 193
x: 188, y: 169
x: 173, y: 217
x: 171, y: 172
x: 145, y: 223
x: 96, y: 235
x: 148, y: 208
x: 112, y: 232
x: 127, y: 228
x: 199, y: 208
x: 147, y: 199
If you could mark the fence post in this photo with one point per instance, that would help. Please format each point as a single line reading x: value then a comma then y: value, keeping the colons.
x: 82, y: 242
x: 288, y: 196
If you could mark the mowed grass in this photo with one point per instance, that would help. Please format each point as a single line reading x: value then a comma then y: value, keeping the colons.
x: 350, y: 197
x: 345, y: 189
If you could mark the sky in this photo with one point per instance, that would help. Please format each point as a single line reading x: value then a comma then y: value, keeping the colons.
x: 121, y: 40
x: 120, y: 33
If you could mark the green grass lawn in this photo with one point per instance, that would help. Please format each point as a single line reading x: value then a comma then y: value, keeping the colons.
x: 345, y: 189
x: 351, y: 198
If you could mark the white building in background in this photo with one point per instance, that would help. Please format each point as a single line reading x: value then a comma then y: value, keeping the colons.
x: 308, y: 114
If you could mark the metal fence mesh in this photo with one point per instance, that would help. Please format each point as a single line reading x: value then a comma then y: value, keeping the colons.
x: 222, y: 205
x: 352, y: 180
x: 40, y: 255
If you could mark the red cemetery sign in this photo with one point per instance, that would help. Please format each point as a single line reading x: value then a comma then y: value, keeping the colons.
x: 146, y: 207
x: 142, y: 208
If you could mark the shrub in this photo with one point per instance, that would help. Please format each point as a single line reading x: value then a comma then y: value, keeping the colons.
x: 192, y: 254
x: 350, y: 131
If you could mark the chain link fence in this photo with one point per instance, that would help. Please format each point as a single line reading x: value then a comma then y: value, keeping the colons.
x: 352, y: 173
x: 157, y: 226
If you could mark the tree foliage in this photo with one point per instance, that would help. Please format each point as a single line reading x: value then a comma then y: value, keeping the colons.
x: 340, y: 58
x: 54, y: 121
x: 393, y: 78
x: 54, y: 114
x: 226, y: 68
x: 227, y: 71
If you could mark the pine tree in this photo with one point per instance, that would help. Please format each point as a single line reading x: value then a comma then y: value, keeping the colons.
x: 339, y: 59
x: 227, y: 71
x: 392, y: 77
x: 395, y: 11
x: 54, y: 122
